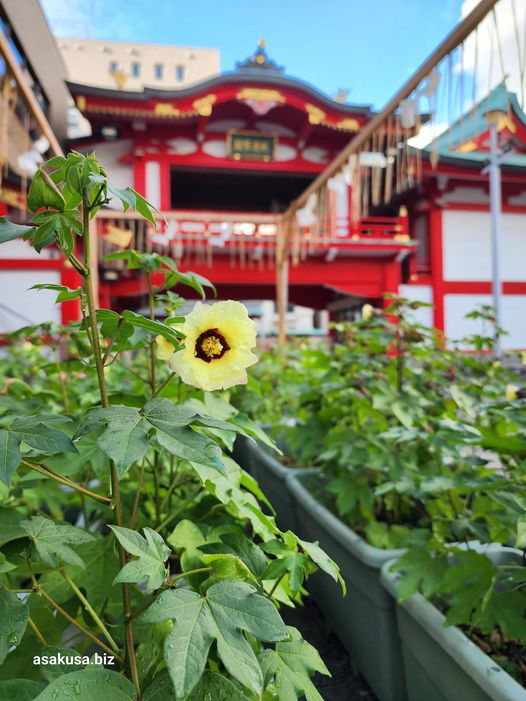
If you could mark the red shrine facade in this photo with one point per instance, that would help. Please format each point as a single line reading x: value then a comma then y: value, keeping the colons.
x: 222, y: 160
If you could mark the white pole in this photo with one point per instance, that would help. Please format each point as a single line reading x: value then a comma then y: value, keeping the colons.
x: 495, y: 197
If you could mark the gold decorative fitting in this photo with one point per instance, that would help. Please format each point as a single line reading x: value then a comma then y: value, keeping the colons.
x: 118, y: 236
x: 402, y: 237
x: 260, y: 94
x: 468, y: 146
x: 204, y: 105
x: 166, y: 109
x: 120, y: 77
x: 402, y: 212
x: 81, y: 103
x: 348, y: 124
x: 316, y: 116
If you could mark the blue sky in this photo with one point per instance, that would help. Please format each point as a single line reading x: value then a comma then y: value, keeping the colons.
x: 368, y: 47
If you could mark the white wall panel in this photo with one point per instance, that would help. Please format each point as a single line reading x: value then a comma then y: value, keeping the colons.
x: 23, y: 249
x: 419, y: 293
x: 153, y: 182
x: 467, y: 246
x: 513, y: 308
x: 20, y: 306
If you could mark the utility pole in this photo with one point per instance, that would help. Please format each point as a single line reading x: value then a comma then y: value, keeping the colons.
x: 495, y: 198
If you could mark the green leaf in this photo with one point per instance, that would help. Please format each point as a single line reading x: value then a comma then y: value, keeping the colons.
x: 521, y: 532
x: 504, y: 610
x: 88, y: 685
x: 467, y: 583
x: 65, y: 293
x: 34, y: 431
x: 125, y: 439
x: 323, y: 561
x: 152, y: 326
x: 10, y: 455
x: 64, y: 224
x: 421, y: 571
x: 228, y: 610
x: 10, y: 231
x: 189, y: 445
x: 290, y: 666
x: 226, y: 566
x: 216, y: 687
x: 151, y: 552
x: 13, y: 621
x: 129, y: 198
x: 44, y: 193
x: 20, y: 689
x: 51, y: 540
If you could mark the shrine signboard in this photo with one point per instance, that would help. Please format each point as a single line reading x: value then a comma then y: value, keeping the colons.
x: 251, y: 145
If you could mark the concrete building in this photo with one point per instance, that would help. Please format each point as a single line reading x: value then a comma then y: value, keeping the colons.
x: 133, y: 66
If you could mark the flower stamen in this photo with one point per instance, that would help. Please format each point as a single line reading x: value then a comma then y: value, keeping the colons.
x: 211, y: 345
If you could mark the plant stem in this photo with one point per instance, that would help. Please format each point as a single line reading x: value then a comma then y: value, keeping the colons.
x: 151, y: 304
x: 88, y: 633
x: 163, y: 384
x: 137, y: 494
x: 276, y: 585
x: 67, y: 482
x: 197, y: 570
x: 176, y: 513
x: 114, y: 477
x: 36, y: 631
x: 62, y: 382
x: 90, y: 609
x: 112, y: 339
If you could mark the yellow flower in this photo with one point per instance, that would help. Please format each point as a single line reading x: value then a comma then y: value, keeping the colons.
x: 511, y: 392
x: 27, y: 346
x: 217, y: 346
x: 367, y: 312
x: 523, y: 357
x: 163, y: 348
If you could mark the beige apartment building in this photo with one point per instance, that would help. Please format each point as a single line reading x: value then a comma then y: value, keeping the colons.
x: 133, y: 65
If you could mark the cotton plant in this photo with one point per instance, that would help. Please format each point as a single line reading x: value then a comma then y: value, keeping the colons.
x: 132, y: 545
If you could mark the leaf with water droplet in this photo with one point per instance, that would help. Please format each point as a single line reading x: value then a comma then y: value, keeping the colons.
x: 13, y: 621
x: 87, y: 685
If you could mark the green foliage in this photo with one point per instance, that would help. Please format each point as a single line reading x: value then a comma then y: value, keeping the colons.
x: 122, y: 517
x: 51, y: 540
x: 13, y: 621
x: 151, y: 553
x: 229, y: 609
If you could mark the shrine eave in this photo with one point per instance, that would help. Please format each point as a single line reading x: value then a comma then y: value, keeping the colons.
x: 513, y: 163
x: 238, y: 78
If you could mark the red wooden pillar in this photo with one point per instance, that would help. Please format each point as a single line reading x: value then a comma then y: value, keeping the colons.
x: 391, y: 279
x: 437, y: 266
x: 70, y: 311
x: 165, y: 185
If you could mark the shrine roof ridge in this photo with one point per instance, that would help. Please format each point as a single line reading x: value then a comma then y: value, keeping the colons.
x: 245, y: 78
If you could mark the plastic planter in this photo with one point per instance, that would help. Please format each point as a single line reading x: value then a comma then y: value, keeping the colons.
x: 242, y: 454
x: 442, y: 664
x: 272, y: 477
x: 365, y: 620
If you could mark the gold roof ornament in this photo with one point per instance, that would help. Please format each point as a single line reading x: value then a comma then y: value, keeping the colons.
x: 316, y: 115
x: 204, y: 105
x: 348, y: 124
x: 260, y: 94
x: 166, y: 109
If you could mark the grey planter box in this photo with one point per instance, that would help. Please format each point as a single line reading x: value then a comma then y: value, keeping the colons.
x: 272, y: 477
x: 442, y: 664
x: 365, y: 620
x: 242, y: 453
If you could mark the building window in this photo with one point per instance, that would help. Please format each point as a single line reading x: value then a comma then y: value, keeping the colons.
x: 114, y: 66
x: 158, y: 71
x: 135, y: 69
x: 180, y: 73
